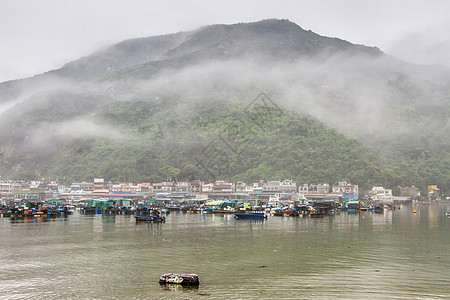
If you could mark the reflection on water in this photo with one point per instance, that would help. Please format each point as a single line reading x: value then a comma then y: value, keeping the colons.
x: 397, y: 254
x: 178, y: 287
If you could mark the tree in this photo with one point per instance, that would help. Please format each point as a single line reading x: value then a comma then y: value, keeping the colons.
x: 169, y: 172
x: 189, y: 172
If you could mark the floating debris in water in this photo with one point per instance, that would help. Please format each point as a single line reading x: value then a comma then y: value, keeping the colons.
x: 183, y: 279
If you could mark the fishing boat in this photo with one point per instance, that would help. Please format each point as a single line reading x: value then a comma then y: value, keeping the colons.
x: 250, y: 215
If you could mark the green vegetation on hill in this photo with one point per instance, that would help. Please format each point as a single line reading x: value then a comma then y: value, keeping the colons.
x: 226, y: 141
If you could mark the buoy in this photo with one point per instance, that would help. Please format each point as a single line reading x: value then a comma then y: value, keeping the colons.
x: 414, y: 212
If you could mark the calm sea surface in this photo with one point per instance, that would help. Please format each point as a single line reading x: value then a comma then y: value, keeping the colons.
x: 397, y: 254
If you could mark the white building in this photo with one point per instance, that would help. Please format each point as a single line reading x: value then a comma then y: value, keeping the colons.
x: 168, y: 186
x: 288, y: 186
x: 223, y: 187
x: 271, y: 186
x: 303, y: 189
x: 8, y: 187
x: 207, y: 188
x: 344, y: 188
x: 379, y: 193
x: 323, y: 188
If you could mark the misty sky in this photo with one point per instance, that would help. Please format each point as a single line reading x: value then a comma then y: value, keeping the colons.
x: 38, y: 36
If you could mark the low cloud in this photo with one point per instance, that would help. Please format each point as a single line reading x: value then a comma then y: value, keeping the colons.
x: 347, y: 92
x: 429, y: 46
x: 79, y: 128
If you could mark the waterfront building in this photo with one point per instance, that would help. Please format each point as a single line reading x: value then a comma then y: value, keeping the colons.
x: 412, y: 192
x: 75, y: 188
x: 116, y: 188
x: 99, y: 183
x: 257, y: 190
x: 99, y: 186
x: 9, y: 186
x: 133, y: 188
x: 168, y: 186
x: 275, y: 187
x: 144, y: 187
x: 207, y: 188
x: 345, y: 189
x: 51, y: 186
x: 223, y: 187
x: 157, y: 187
x: 182, y: 186
x: 125, y: 188
x: 323, y: 188
x: 240, y: 186
x: 62, y: 189
x: 257, y: 187
x: 271, y: 187
x: 249, y: 190
x: 87, y: 186
x: 303, y: 189
x: 195, y: 186
x: 78, y: 188
x: 288, y: 186
x: 379, y: 193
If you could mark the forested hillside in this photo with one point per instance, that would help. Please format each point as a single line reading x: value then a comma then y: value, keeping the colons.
x: 227, y: 141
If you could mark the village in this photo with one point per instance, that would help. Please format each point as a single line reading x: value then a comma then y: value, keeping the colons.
x: 175, y: 191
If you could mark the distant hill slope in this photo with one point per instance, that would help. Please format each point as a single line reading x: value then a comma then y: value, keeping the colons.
x: 100, y: 112
x: 225, y: 141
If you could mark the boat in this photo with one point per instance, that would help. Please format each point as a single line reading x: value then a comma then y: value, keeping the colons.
x: 316, y: 214
x: 289, y: 212
x: 147, y: 218
x: 183, y: 279
x: 250, y: 215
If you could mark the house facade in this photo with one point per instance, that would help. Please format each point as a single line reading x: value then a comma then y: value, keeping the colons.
x: 345, y: 188
x: 379, y: 193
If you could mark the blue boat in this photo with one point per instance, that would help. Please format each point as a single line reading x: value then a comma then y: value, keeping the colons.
x: 250, y: 215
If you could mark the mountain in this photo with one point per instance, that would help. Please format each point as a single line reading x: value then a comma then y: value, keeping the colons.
x: 138, y: 103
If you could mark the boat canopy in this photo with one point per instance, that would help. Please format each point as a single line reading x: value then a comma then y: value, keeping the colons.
x: 214, y: 203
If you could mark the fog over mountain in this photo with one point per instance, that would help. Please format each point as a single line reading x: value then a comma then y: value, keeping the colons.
x: 396, y: 109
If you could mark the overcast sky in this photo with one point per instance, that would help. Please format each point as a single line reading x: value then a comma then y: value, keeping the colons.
x: 40, y: 35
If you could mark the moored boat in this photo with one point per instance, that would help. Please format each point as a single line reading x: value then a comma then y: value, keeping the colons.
x: 250, y: 215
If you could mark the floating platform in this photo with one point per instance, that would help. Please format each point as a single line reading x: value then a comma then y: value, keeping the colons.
x: 182, y: 279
